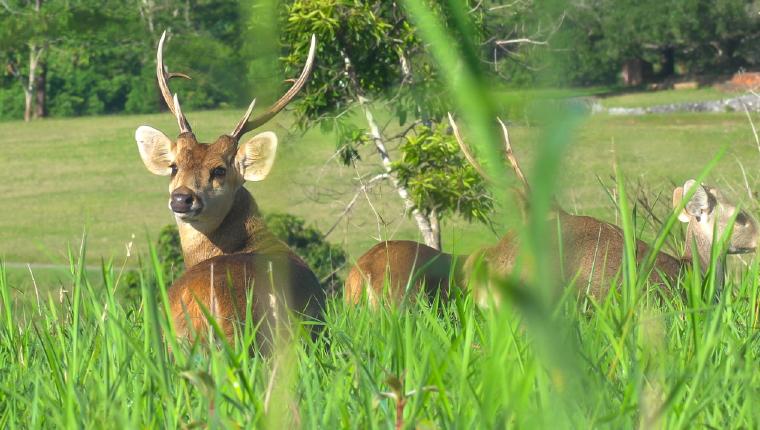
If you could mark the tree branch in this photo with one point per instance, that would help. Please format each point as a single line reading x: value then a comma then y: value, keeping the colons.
x: 361, y: 190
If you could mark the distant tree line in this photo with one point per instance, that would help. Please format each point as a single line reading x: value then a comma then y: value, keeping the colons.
x: 87, y: 57
x: 658, y: 39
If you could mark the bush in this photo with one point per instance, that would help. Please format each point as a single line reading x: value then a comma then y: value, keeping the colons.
x: 324, y: 258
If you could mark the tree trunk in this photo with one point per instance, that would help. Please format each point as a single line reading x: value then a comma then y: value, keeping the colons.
x: 40, y: 106
x: 431, y: 238
x: 429, y: 234
x: 30, y: 82
x: 633, y: 72
x: 435, y: 225
x: 27, y: 105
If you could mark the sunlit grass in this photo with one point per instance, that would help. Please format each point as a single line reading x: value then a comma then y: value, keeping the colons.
x: 88, y: 357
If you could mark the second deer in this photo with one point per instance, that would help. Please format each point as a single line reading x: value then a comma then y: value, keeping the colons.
x: 591, y: 249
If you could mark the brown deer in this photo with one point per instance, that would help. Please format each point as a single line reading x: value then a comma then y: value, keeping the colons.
x: 592, y: 250
x: 395, y: 269
x: 228, y: 251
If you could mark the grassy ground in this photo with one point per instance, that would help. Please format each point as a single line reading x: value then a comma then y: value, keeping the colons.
x: 68, y: 176
x: 84, y: 359
x: 653, y: 98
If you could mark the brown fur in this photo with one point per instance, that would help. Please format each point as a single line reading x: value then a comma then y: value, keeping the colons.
x: 592, y: 254
x: 388, y: 267
x: 592, y: 250
x: 278, y: 284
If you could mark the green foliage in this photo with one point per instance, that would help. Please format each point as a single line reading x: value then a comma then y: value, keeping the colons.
x: 99, y: 57
x: 682, y: 36
x: 362, y: 46
x: 169, y: 250
x: 324, y: 258
x: 438, y: 177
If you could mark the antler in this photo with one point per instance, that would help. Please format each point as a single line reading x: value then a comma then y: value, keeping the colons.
x: 245, y: 125
x: 511, y: 157
x: 507, y: 150
x: 466, y: 150
x: 163, y: 76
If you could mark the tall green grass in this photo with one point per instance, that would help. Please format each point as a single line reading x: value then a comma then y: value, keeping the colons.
x: 86, y: 356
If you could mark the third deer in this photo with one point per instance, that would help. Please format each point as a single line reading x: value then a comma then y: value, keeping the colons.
x: 592, y: 250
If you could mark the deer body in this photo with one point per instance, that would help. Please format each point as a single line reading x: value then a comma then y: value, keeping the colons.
x: 589, y: 252
x: 278, y: 284
x: 397, y: 264
x: 232, y: 259
x: 591, y: 255
x: 592, y: 250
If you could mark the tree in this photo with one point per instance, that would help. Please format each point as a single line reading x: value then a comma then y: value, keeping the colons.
x: 370, y: 57
x: 27, y: 30
x: 79, y: 57
x: 699, y: 36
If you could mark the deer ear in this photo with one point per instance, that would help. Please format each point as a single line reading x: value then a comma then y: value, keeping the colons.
x: 256, y: 156
x: 699, y: 204
x: 156, y: 150
x: 677, y: 197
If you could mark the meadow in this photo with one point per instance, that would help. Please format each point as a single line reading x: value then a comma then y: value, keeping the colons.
x: 77, y: 354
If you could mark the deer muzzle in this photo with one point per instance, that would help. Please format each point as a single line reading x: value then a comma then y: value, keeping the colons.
x: 183, y: 201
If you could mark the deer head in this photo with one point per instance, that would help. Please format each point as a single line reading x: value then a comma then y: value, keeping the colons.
x: 708, y: 213
x: 206, y: 177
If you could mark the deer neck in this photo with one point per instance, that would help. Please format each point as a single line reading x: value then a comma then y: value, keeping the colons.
x: 696, y: 240
x: 241, y: 231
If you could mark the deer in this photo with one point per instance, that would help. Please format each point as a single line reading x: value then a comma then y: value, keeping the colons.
x: 232, y: 259
x: 396, y: 269
x: 592, y: 249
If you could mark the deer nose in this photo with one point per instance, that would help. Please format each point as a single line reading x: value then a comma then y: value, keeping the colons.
x: 181, y: 200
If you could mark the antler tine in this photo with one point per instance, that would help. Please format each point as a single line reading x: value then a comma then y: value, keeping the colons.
x: 238, y: 131
x: 466, y: 150
x: 163, y: 84
x: 245, y: 125
x: 511, y: 157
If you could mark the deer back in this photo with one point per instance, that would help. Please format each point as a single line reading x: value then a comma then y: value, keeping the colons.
x: 392, y: 270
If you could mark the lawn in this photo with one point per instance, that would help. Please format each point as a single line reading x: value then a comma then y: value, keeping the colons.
x: 70, y: 176
x: 654, y: 98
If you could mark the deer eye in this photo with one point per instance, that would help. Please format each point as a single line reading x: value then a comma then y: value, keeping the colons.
x: 218, y: 172
x: 174, y: 169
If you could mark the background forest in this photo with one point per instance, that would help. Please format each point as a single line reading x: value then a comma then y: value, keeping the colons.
x: 85, y: 57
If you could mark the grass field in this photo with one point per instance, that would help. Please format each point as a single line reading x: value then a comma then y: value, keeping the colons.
x: 84, y: 174
x: 653, y: 98
x: 80, y: 354
x: 72, y: 176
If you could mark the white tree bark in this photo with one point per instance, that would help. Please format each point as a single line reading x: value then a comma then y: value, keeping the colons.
x: 35, y: 53
x: 424, y: 224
